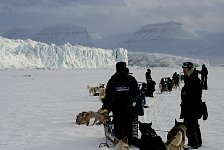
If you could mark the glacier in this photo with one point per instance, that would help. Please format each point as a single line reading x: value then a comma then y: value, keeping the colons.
x: 20, y: 54
x: 29, y: 54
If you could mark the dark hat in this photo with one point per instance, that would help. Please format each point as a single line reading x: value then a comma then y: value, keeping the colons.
x: 127, y: 71
x: 121, y: 66
x: 187, y: 65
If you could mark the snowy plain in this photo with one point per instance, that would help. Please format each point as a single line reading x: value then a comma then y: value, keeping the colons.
x: 38, y: 108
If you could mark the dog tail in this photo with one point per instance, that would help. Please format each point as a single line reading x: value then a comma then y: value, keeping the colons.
x: 88, y: 87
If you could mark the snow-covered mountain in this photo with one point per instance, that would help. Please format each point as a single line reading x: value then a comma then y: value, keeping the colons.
x: 168, y: 38
x: 165, y: 38
x: 20, y: 54
x: 62, y: 34
x: 57, y: 34
x: 20, y: 33
x: 143, y: 59
x: 216, y: 38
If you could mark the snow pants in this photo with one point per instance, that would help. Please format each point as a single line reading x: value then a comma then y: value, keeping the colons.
x: 193, y: 133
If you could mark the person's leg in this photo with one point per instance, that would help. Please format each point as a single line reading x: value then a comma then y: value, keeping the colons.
x: 206, y: 84
x: 198, y: 132
x: 128, y: 128
x: 118, y: 128
x: 193, y: 133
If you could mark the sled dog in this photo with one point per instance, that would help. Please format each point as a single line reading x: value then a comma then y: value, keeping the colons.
x: 176, y: 137
x: 102, y: 91
x: 149, y: 138
x: 81, y: 118
x: 121, y: 144
x: 84, y: 117
x: 93, y: 90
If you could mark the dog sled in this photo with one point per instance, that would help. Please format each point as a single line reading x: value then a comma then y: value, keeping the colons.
x: 165, y: 84
x: 138, y: 110
x: 109, y: 129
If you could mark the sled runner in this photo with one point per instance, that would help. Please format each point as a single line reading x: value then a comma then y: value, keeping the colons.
x: 109, y: 129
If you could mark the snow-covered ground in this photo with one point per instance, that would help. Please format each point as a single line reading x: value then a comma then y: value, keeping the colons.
x: 38, y: 108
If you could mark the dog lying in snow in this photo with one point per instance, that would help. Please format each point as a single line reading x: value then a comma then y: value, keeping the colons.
x: 99, y: 117
x: 176, y: 137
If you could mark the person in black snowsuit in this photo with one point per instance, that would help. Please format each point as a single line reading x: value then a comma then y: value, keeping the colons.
x: 191, y: 94
x: 150, y: 84
x: 175, y: 79
x: 150, y: 87
x: 169, y: 82
x: 148, y: 75
x: 121, y: 90
x: 143, y: 90
x: 204, y: 74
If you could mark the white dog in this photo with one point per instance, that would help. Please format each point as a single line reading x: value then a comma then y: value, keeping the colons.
x: 97, y: 90
x: 93, y: 90
x: 102, y: 91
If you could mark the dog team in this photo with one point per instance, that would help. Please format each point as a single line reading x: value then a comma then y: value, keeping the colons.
x: 122, y: 93
x: 149, y: 139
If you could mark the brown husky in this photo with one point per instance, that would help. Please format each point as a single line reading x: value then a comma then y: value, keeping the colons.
x: 176, y: 137
x: 121, y: 144
x: 84, y: 117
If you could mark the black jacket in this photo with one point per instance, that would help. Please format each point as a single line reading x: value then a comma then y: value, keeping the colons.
x: 204, y: 71
x: 191, y: 97
x: 120, y: 91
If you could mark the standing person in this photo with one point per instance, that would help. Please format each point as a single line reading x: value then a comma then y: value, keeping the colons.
x: 204, y: 74
x: 148, y: 75
x: 121, y: 90
x: 150, y: 84
x: 150, y: 87
x: 191, y: 94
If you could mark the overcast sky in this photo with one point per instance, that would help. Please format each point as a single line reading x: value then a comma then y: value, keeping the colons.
x: 112, y: 16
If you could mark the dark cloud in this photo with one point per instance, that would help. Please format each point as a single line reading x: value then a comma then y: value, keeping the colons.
x: 110, y: 16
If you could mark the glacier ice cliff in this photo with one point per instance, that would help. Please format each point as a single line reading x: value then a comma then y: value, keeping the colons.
x: 21, y: 54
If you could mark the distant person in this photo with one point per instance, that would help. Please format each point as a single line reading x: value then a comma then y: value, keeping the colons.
x: 122, y: 88
x: 176, y: 76
x: 148, y: 75
x: 162, y: 84
x: 169, y: 83
x: 204, y: 77
x: 143, y: 90
x: 150, y: 84
x: 191, y: 94
x: 150, y: 88
x: 175, y: 80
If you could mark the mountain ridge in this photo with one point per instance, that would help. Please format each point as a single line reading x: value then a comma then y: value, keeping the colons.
x: 164, y: 37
